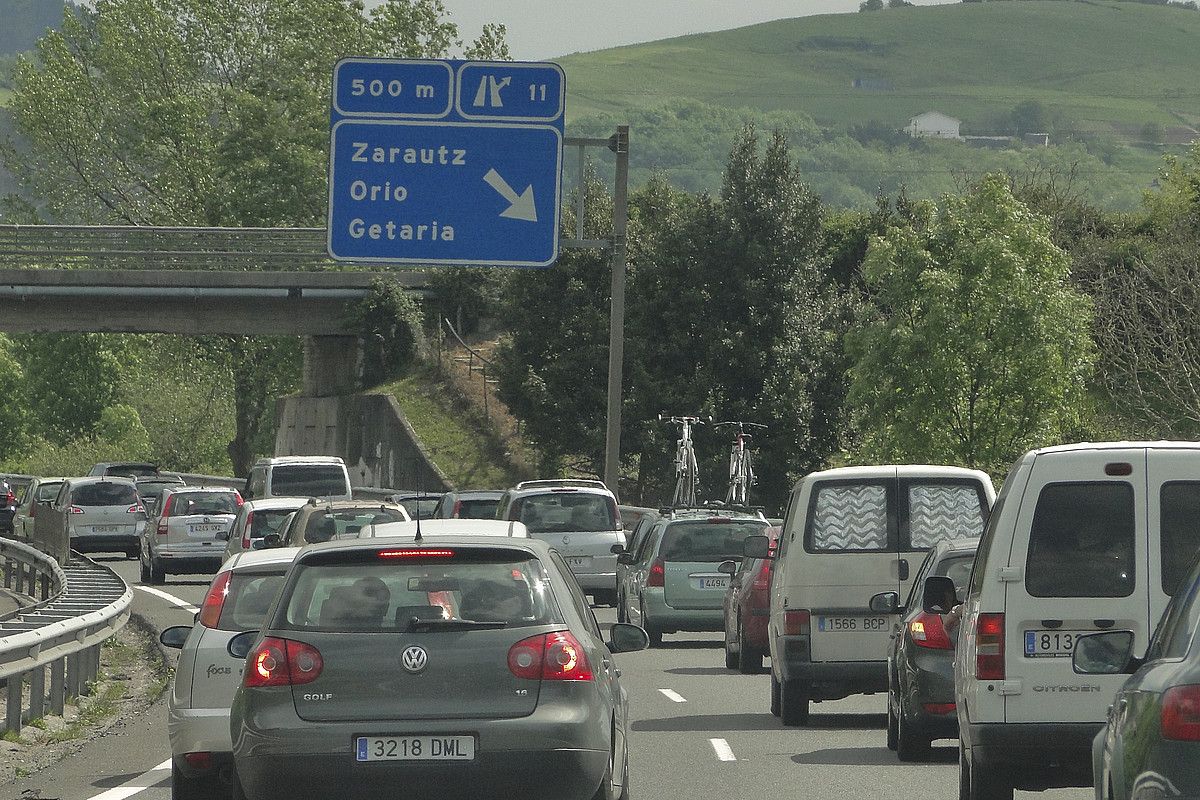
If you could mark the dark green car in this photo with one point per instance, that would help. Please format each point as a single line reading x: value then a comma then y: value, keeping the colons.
x: 463, y: 668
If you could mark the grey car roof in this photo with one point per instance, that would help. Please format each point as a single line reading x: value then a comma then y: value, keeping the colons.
x: 536, y: 546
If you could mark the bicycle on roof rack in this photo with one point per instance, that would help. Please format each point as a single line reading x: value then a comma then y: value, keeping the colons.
x: 687, y: 472
x: 741, y: 467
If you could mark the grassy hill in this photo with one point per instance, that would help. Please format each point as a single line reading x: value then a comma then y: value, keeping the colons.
x: 1103, y: 66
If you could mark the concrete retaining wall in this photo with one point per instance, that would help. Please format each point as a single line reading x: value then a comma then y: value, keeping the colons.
x: 368, y: 431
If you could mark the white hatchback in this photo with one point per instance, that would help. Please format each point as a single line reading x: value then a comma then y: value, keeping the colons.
x: 208, y: 675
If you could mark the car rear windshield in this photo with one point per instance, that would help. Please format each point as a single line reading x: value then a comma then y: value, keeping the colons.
x: 104, y: 494
x: 477, y: 509
x: 559, y: 512
x: 268, y: 520
x: 308, y: 480
x: 422, y: 507
x: 1082, y: 541
x: 248, y: 599
x: 850, y: 516
x: 1179, y: 504
x: 388, y: 594
x: 707, y: 541
x: 938, y: 511
x: 48, y: 491
x: 324, y: 526
x: 190, y: 504
x: 131, y: 470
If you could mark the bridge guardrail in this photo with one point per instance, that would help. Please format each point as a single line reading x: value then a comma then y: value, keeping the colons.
x: 81, y: 605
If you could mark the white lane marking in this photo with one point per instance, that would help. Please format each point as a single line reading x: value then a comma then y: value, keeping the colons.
x: 136, y: 786
x: 723, y: 750
x: 672, y: 695
x: 170, y: 598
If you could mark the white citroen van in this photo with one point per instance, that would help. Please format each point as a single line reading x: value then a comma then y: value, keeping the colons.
x: 1084, y: 538
x: 849, y: 534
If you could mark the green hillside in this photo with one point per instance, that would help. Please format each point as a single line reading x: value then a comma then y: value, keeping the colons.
x: 1099, y: 65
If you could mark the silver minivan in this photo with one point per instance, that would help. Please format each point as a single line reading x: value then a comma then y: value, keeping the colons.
x: 579, y: 519
x: 98, y: 515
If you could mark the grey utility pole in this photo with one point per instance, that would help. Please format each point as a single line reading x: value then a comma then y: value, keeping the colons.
x: 616, y: 325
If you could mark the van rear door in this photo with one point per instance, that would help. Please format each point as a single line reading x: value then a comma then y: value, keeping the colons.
x: 851, y: 540
x: 1077, y: 566
x: 933, y: 510
x: 1174, y: 491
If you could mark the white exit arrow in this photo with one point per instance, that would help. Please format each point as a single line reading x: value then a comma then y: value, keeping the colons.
x: 520, y: 205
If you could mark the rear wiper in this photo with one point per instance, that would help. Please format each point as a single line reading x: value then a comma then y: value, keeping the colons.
x: 416, y: 624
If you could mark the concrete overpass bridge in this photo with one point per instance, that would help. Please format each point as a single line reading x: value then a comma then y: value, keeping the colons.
x: 190, y: 281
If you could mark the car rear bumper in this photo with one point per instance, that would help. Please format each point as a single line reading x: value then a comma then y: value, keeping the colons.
x: 1042, y: 755
x: 189, y: 559
x: 666, y: 618
x: 604, y: 581
x: 829, y: 680
x: 105, y: 543
x: 930, y: 680
x: 199, y: 730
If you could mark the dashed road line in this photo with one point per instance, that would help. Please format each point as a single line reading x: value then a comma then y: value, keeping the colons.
x: 139, y: 784
x: 723, y: 750
x: 672, y: 695
x: 170, y: 598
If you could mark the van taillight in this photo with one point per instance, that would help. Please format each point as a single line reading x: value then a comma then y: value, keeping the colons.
x: 658, y: 573
x: 989, y: 647
x: 1181, y: 713
x: 928, y: 631
x: 554, y: 656
x: 797, y: 622
x: 246, y: 530
x: 214, y: 601
x: 282, y: 662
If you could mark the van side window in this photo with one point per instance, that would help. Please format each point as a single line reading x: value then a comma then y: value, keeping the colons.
x: 1179, y: 508
x: 256, y: 487
x: 849, y: 517
x: 1082, y: 541
x: 945, y: 511
x: 979, y: 568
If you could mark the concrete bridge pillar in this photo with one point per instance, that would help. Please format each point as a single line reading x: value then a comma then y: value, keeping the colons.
x: 332, y: 365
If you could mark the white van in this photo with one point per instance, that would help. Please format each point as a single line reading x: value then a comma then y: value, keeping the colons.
x: 849, y: 534
x: 1084, y: 538
x: 324, y: 477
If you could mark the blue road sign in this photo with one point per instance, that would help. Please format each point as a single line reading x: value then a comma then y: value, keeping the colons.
x: 446, y: 162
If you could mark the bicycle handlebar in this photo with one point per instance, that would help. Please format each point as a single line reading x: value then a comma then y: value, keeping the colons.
x: 679, y: 420
x: 741, y: 425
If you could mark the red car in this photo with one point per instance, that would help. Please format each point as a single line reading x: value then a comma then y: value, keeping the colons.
x: 747, y: 609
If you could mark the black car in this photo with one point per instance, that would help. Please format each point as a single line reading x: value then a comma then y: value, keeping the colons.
x: 921, y: 660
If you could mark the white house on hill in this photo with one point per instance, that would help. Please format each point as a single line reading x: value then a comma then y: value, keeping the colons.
x: 934, y: 124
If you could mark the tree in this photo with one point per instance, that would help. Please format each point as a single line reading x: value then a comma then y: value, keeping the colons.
x: 870, y: 5
x: 974, y: 347
x: 14, y: 416
x: 69, y: 380
x: 192, y: 112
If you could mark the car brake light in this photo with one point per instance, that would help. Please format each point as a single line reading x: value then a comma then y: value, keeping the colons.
x: 214, y: 601
x: 134, y: 509
x: 201, y: 760
x: 616, y: 514
x: 162, y: 527
x: 237, y: 498
x: 1181, y: 713
x: 417, y: 553
x: 797, y: 622
x: 927, y: 630
x: 941, y: 709
x: 282, y: 662
x: 762, y: 581
x: 554, y: 656
x: 989, y: 647
x: 76, y: 510
x: 246, y: 531
x: 457, y: 509
x: 658, y: 573
x: 10, y: 499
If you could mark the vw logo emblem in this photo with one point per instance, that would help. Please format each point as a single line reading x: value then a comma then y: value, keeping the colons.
x: 414, y: 659
x: 566, y: 540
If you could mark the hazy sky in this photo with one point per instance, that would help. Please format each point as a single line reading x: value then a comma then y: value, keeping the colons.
x: 539, y: 29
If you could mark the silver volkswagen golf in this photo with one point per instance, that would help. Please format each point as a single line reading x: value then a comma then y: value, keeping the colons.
x: 464, y: 667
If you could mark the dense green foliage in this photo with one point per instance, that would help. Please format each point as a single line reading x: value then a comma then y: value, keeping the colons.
x: 26, y: 20
x: 974, y: 347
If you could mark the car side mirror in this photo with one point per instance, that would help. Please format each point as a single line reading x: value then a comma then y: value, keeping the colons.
x: 885, y: 603
x: 757, y: 547
x: 627, y: 638
x: 239, y: 646
x: 175, y: 636
x: 939, y: 595
x: 625, y: 558
x: 728, y: 567
x: 272, y: 540
x: 1107, y: 653
x: 617, y: 549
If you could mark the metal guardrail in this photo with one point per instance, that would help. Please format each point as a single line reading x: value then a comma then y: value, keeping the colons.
x: 77, y: 608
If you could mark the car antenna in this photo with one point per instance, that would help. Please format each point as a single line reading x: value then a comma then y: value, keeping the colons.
x: 420, y: 496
